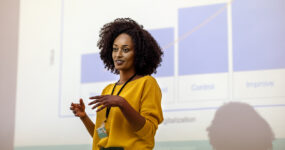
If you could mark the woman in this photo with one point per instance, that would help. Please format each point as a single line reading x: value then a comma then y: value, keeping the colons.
x: 128, y: 111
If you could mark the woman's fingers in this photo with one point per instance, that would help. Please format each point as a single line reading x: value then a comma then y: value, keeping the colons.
x: 99, y: 109
x: 98, y: 100
x: 74, y: 105
x: 81, y: 102
x: 98, y: 104
x: 93, y: 102
x: 74, y: 109
x: 103, y: 105
x: 96, y: 97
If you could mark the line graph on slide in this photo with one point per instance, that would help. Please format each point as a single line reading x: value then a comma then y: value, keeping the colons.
x: 222, y: 53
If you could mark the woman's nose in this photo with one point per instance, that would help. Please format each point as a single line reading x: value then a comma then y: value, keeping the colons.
x: 119, y: 53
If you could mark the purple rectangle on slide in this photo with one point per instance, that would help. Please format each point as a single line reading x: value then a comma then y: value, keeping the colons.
x: 92, y: 69
x: 258, y: 34
x: 164, y: 37
x: 206, y: 49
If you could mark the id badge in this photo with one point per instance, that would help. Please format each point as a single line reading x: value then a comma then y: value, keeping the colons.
x: 101, y: 131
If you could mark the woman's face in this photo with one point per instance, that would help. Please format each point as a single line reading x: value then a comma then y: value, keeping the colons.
x: 123, y: 53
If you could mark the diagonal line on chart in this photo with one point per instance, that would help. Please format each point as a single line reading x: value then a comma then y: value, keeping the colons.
x: 205, y: 22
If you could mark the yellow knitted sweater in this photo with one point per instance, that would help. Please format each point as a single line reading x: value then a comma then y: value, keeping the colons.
x: 144, y: 96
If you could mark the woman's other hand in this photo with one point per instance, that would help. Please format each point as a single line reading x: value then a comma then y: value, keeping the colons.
x: 106, y: 101
x: 78, y: 109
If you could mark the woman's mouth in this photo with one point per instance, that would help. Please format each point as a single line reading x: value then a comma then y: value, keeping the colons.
x: 119, y: 62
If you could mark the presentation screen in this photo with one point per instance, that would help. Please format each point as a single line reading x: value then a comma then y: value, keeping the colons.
x: 221, y: 76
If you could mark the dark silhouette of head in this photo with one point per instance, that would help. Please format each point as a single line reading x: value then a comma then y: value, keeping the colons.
x: 237, y: 126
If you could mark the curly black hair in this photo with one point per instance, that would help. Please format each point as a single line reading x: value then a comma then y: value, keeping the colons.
x: 147, y: 51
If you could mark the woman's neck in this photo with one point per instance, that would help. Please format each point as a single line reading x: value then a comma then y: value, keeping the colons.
x: 125, y: 76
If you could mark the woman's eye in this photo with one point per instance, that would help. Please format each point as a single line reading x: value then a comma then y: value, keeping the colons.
x: 115, y: 49
x: 125, y: 49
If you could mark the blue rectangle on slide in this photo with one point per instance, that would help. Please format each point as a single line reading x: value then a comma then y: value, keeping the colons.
x: 206, y: 49
x: 164, y: 37
x: 258, y: 34
x: 92, y: 69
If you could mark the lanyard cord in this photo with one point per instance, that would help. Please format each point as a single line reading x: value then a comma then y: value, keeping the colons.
x: 109, y: 108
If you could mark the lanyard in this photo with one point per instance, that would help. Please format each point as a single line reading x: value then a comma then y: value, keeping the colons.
x: 109, y: 108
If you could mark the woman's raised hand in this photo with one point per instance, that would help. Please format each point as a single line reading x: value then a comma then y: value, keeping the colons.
x: 78, y: 109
